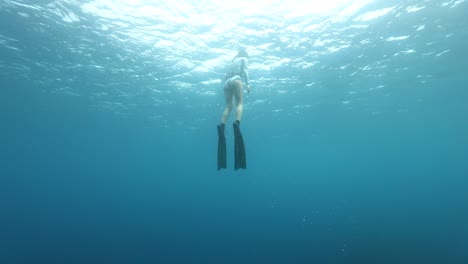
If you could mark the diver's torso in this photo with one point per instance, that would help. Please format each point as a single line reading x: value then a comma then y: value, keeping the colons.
x: 236, y: 66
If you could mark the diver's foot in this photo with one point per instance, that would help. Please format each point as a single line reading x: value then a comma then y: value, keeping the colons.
x: 221, y: 129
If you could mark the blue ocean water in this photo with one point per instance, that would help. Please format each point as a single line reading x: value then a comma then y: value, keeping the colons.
x: 356, y: 132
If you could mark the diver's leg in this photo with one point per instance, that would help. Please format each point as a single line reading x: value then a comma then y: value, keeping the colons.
x: 239, y: 147
x: 228, y: 95
x: 238, y: 93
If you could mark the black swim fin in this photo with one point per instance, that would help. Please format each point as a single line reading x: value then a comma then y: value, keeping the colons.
x: 222, y: 164
x: 239, y: 148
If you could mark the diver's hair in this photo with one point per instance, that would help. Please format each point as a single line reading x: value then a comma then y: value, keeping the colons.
x: 242, y: 53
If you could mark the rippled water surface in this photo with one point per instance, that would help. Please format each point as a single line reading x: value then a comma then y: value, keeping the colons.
x: 355, y: 132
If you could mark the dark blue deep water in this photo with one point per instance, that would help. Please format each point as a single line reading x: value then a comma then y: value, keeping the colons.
x: 356, y: 132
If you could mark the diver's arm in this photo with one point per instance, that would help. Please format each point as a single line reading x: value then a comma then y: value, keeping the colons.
x: 245, y: 74
x: 245, y: 71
